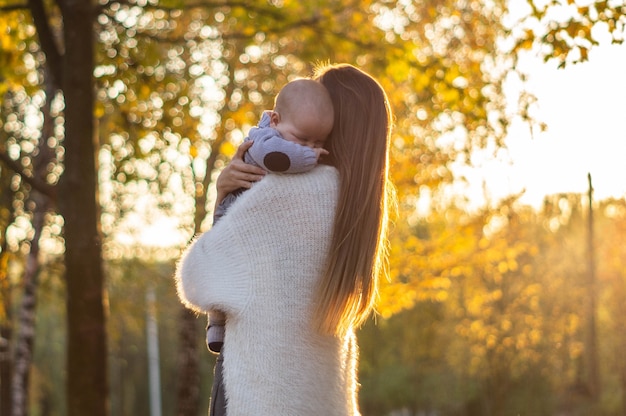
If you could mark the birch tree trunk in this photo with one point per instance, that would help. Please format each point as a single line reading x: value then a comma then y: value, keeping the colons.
x: 26, y: 330
x: 25, y: 339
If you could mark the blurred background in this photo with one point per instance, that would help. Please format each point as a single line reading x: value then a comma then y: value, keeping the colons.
x: 507, y: 286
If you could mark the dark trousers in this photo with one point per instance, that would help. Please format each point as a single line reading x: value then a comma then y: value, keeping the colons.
x: 217, y: 405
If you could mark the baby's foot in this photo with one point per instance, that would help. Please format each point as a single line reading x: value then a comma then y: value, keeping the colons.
x: 215, y: 338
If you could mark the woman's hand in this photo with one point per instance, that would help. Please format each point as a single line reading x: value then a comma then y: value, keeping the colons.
x: 237, y: 174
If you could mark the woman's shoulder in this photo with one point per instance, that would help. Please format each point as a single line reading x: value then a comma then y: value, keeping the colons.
x: 285, y: 191
x: 322, y: 176
x: 327, y: 170
x: 320, y: 173
x: 284, y: 204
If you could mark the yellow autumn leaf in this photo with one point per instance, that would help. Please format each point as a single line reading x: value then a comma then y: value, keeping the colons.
x: 228, y: 149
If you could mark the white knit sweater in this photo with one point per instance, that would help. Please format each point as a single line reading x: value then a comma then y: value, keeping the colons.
x: 260, y: 264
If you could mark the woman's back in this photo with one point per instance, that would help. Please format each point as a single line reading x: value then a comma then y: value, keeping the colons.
x: 261, y: 264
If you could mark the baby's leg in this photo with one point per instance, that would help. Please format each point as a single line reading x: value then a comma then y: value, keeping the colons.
x: 215, y: 331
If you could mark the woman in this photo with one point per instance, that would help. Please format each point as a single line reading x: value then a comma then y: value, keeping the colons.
x: 296, y: 279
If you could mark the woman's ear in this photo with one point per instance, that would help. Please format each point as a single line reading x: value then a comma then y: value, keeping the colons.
x: 274, y: 119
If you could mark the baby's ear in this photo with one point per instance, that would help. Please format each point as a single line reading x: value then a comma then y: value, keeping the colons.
x: 274, y: 118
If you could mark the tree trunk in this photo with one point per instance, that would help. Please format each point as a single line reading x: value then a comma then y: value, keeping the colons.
x: 26, y: 331
x: 189, y: 375
x: 87, y: 386
x: 6, y: 308
x: 25, y: 339
x: 188, y: 356
x: 188, y: 392
x: 592, y: 366
x: 622, y: 380
x: 6, y: 334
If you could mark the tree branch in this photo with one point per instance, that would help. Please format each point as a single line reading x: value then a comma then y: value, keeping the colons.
x: 37, y: 184
x: 203, y: 5
x: 46, y: 40
x: 14, y: 7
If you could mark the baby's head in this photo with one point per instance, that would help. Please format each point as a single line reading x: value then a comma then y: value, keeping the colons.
x: 303, y: 113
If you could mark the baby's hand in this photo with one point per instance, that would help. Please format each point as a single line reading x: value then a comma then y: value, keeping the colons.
x: 319, y: 151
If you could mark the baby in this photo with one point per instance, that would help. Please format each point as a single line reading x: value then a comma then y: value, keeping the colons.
x: 288, y: 139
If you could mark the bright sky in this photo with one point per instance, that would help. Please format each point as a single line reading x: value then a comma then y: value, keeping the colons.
x: 584, y: 106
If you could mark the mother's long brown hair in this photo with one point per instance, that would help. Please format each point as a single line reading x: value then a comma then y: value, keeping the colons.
x: 359, y: 149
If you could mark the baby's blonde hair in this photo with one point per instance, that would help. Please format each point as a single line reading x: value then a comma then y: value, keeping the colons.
x: 305, y: 96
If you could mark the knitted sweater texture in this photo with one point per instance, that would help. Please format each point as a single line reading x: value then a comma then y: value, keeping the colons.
x: 260, y: 264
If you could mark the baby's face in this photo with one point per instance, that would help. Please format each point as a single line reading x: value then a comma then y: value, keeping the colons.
x: 303, y: 129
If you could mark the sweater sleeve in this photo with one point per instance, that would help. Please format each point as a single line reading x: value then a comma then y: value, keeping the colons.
x: 226, y: 266
x: 211, y: 274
